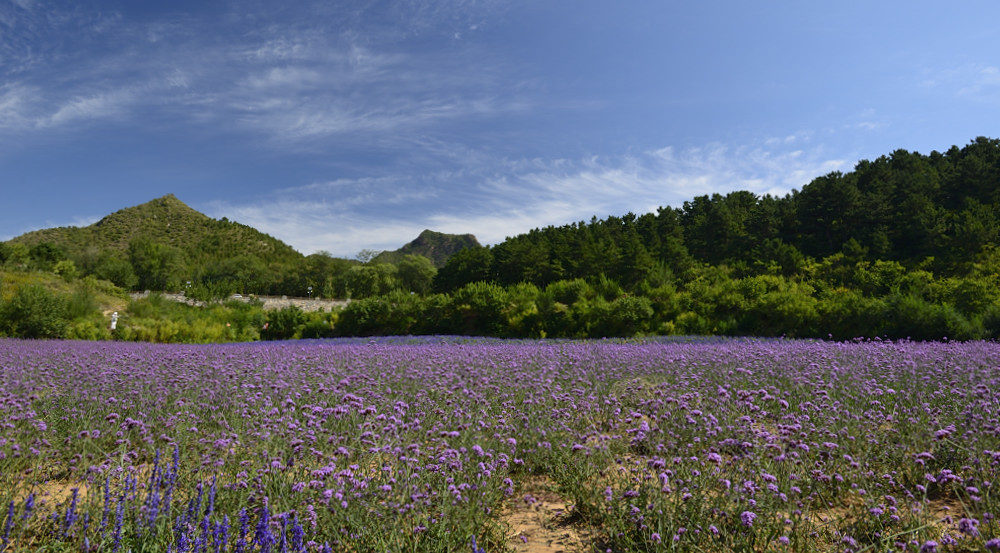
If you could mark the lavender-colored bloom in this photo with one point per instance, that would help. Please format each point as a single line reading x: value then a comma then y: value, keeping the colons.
x: 298, y: 535
x: 70, y: 513
x: 263, y: 536
x: 220, y: 534
x: 282, y: 541
x: 203, y: 538
x: 107, y: 506
x: 9, y: 525
x: 929, y: 546
x: 29, y: 505
x: 747, y: 518
x: 241, y: 541
x: 993, y: 544
x: 120, y: 516
x: 211, y: 498
x: 968, y: 526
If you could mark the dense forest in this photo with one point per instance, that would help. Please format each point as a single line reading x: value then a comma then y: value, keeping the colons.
x: 902, y: 246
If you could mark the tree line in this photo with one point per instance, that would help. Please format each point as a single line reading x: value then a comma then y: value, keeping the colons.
x: 902, y: 246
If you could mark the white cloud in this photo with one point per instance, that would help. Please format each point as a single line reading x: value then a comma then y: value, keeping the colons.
x: 302, y: 77
x: 512, y: 197
x: 97, y: 106
x: 983, y: 82
x: 14, y: 105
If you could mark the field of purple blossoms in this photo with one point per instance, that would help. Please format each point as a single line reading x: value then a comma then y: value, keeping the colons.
x: 422, y: 444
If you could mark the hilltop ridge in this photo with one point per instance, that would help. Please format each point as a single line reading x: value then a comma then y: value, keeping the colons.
x: 436, y: 246
x: 169, y: 221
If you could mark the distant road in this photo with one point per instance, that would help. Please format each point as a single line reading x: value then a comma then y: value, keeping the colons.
x: 270, y: 302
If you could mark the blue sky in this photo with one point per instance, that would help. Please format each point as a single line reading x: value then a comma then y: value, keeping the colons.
x: 342, y: 126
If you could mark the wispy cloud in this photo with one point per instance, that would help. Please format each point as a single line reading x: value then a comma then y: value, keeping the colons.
x: 973, y: 81
x: 983, y: 83
x: 97, y: 106
x: 308, y: 79
x: 512, y: 197
x: 14, y: 99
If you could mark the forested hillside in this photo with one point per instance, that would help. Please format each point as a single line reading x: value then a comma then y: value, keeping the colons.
x: 902, y: 246
x: 937, y: 212
x: 164, y: 245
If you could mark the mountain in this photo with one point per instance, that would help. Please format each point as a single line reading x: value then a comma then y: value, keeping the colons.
x: 436, y: 246
x: 164, y: 244
x: 167, y: 221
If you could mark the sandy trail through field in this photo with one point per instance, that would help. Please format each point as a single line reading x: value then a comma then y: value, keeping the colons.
x: 541, y: 521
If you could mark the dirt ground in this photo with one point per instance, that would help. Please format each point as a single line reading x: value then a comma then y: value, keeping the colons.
x: 542, y: 521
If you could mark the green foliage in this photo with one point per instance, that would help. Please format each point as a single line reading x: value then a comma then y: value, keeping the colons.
x: 466, y: 266
x: 283, y: 324
x: 319, y: 325
x: 396, y: 313
x: 480, y: 309
x: 902, y: 246
x: 846, y: 313
x: 624, y: 316
x: 116, y: 269
x: 780, y: 307
x: 416, y: 273
x: 364, y: 281
x: 438, y: 247
x: 66, y: 269
x: 325, y: 274
x: 45, y: 255
x: 158, y: 266
x: 159, y: 319
x: 15, y: 255
x: 34, y: 312
x: 913, y: 317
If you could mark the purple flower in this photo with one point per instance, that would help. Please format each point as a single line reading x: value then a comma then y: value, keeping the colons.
x: 747, y: 517
x: 929, y: 546
x: 968, y: 526
x: 29, y: 505
x: 8, y: 525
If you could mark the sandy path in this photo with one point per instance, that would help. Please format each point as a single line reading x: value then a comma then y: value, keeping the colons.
x: 541, y: 521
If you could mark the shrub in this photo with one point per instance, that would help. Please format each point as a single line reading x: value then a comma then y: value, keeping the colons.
x: 34, y: 312
x: 625, y: 316
x: 282, y: 324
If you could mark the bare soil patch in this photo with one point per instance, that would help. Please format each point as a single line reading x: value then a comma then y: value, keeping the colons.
x: 542, y: 521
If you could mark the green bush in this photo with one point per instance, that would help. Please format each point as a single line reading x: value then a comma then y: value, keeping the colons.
x: 319, y: 325
x: 480, y: 307
x: 845, y: 314
x: 913, y: 317
x: 34, y: 312
x: 625, y: 316
x: 88, y: 329
x: 282, y: 324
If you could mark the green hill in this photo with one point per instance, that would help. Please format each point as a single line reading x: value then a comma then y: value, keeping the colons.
x: 436, y: 246
x: 164, y: 244
x: 167, y: 221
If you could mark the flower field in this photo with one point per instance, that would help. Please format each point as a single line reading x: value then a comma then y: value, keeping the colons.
x: 424, y: 445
